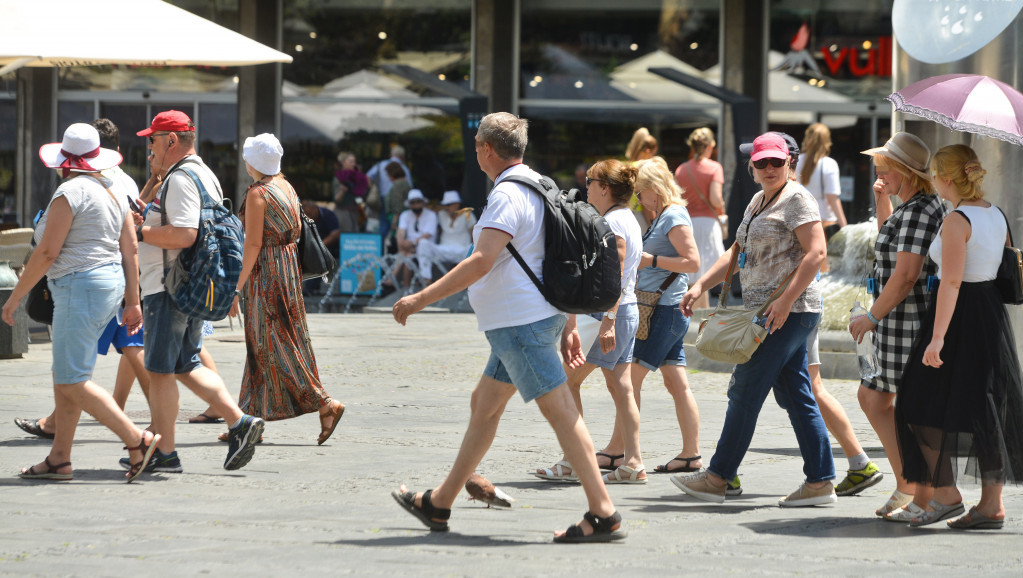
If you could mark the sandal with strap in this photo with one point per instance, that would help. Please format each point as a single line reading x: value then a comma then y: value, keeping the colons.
x: 610, y: 466
x: 436, y: 519
x: 665, y: 469
x: 33, y: 427
x: 974, y: 520
x: 559, y: 472
x: 626, y: 475
x: 325, y: 430
x: 147, y: 453
x: 49, y: 474
x: 607, y: 529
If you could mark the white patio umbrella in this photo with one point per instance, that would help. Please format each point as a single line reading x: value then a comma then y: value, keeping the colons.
x: 137, y: 32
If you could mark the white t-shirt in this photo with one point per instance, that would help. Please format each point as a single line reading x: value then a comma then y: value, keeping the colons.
x: 623, y: 224
x: 97, y: 217
x: 123, y: 183
x: 823, y: 181
x: 183, y: 206
x: 416, y: 226
x: 506, y: 297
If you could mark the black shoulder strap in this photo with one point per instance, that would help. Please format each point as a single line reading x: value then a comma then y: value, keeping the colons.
x: 967, y: 217
x: 543, y: 188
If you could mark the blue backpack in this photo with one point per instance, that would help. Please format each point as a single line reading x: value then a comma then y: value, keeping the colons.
x: 203, y: 279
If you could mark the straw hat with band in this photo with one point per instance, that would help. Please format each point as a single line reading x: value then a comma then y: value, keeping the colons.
x: 908, y: 150
x: 79, y: 152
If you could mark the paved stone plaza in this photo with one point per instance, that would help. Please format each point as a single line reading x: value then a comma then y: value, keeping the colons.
x: 326, y: 510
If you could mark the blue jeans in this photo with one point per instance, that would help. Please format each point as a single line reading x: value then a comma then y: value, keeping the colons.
x: 665, y: 342
x: 779, y: 363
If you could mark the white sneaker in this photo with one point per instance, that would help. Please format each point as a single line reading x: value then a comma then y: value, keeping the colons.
x: 805, y: 495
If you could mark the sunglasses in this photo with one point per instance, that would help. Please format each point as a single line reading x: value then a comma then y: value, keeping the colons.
x: 589, y: 180
x: 152, y: 137
x: 776, y: 163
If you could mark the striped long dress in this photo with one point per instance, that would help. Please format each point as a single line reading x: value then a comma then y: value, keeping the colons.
x: 280, y: 380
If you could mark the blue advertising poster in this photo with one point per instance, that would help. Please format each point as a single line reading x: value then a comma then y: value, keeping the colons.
x: 360, y: 271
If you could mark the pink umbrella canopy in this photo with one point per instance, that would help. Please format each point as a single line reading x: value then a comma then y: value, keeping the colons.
x: 966, y: 102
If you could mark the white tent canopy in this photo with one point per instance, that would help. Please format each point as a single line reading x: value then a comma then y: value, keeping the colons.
x: 136, y: 32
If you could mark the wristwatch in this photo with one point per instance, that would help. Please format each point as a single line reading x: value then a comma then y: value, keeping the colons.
x: 138, y: 233
x: 610, y: 315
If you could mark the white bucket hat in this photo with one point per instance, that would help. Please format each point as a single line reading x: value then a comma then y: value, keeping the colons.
x: 79, y: 152
x: 415, y: 195
x: 907, y: 149
x: 263, y: 153
x: 450, y: 198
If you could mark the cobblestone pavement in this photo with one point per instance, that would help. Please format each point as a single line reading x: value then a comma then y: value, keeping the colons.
x: 326, y: 510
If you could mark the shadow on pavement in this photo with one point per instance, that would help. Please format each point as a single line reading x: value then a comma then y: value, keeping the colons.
x: 835, y: 527
x: 428, y: 537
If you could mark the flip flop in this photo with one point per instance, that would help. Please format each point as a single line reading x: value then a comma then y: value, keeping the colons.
x: 203, y: 418
x: 32, y: 426
x: 49, y: 474
x: 974, y: 520
x: 684, y: 469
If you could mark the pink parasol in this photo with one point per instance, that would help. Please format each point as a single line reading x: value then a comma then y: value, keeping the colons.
x: 966, y: 102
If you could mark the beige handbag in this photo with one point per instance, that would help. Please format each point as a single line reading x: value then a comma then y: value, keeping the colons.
x: 730, y: 335
x: 722, y: 218
x: 647, y: 301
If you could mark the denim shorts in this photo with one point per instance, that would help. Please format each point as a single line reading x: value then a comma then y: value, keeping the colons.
x: 117, y: 335
x: 626, y: 322
x: 83, y: 304
x: 664, y: 342
x: 172, y: 339
x: 526, y: 356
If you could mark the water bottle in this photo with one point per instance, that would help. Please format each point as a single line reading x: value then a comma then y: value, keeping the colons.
x: 866, y: 355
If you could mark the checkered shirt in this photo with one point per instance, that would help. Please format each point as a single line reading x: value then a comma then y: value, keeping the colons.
x: 910, y: 228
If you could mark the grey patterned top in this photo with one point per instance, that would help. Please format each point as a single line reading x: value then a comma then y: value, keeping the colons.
x: 772, y: 249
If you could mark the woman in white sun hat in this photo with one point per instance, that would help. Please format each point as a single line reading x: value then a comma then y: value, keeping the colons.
x: 85, y: 244
x: 455, y: 239
x: 281, y: 380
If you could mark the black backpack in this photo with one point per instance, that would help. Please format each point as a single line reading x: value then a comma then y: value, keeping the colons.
x: 581, y: 270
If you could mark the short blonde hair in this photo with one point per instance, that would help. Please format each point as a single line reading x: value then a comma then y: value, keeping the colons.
x: 960, y: 164
x: 913, y: 180
x: 655, y: 176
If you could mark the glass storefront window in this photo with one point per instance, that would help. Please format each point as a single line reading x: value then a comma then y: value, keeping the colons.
x: 830, y: 51
x: 346, y: 91
x: 585, y: 84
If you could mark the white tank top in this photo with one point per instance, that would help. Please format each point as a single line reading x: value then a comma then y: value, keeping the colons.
x: 983, y: 249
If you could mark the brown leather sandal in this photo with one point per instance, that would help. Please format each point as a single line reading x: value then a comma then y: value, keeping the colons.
x: 325, y: 431
x: 50, y: 473
x: 147, y: 453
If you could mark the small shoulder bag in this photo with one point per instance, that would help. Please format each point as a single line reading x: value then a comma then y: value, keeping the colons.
x: 733, y: 335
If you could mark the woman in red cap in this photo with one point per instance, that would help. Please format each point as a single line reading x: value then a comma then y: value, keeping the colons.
x: 779, y: 246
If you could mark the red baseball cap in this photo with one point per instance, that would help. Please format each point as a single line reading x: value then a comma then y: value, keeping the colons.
x: 770, y: 146
x: 170, y: 121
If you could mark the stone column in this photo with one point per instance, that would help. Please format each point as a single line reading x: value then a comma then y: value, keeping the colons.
x: 259, y: 86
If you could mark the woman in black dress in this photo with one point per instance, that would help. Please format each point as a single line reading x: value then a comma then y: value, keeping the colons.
x: 960, y: 406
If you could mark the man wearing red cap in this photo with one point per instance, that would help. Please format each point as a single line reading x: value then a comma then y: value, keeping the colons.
x: 173, y: 339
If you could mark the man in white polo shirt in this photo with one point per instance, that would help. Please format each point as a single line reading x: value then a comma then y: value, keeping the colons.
x: 524, y: 332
